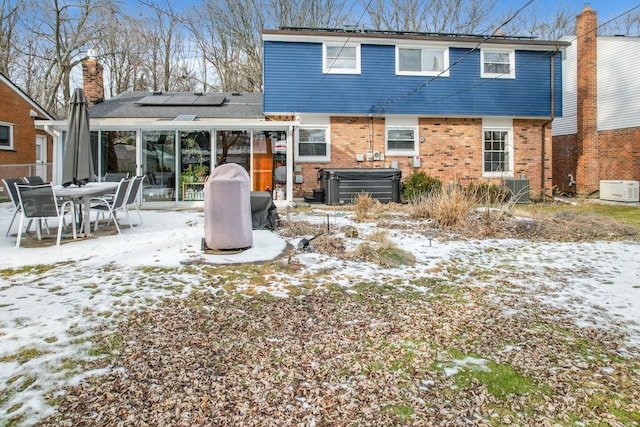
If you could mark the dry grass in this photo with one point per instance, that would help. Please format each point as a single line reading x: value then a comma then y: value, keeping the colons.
x: 293, y: 228
x: 363, y: 204
x: 448, y: 209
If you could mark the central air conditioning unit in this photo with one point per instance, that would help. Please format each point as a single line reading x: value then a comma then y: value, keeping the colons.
x: 518, y: 189
x: 619, y: 191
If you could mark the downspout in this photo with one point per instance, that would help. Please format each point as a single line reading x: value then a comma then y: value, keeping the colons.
x: 552, y: 102
x: 289, y: 164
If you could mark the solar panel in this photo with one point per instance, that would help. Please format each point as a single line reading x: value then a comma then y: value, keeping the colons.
x: 153, y: 100
x: 181, y: 100
x: 209, y: 100
x: 177, y: 100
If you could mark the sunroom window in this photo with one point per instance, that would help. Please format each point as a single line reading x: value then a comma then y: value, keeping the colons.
x: 6, y: 136
x: 341, y: 58
x: 498, y: 63
x: 429, y: 61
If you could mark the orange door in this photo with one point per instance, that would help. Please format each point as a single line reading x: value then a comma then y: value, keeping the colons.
x: 262, y: 163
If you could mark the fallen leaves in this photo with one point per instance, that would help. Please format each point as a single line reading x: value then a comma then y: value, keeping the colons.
x: 370, y: 356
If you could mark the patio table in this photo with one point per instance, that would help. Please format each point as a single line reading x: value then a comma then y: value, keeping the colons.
x: 82, y: 196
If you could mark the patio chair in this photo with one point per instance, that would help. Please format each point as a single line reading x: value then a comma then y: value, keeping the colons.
x: 112, y: 206
x: 39, y: 202
x: 115, y: 176
x: 34, y: 180
x: 10, y: 186
x: 132, y: 197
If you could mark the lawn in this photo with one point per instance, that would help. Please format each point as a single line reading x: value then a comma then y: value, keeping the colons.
x: 387, y: 319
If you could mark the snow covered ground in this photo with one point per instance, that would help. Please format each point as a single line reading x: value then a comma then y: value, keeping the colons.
x: 47, y: 313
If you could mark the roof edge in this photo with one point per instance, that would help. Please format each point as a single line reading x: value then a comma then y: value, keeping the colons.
x: 26, y: 97
x: 273, y: 34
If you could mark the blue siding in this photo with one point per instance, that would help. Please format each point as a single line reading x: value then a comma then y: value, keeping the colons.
x: 294, y: 82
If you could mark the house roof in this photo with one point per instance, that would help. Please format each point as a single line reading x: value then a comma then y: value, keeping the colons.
x: 41, y: 111
x: 186, y: 105
x: 385, y: 36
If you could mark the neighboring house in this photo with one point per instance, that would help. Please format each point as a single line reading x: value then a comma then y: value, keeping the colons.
x: 175, y: 139
x: 24, y: 150
x: 462, y: 108
x: 598, y: 137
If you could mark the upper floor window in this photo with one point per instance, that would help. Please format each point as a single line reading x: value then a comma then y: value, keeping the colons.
x: 6, y: 136
x: 497, y: 148
x: 428, y: 61
x: 341, y: 58
x: 498, y: 63
x: 312, y: 144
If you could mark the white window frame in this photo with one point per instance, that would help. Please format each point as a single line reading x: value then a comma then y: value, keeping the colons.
x: 10, y: 128
x: 401, y: 123
x: 316, y: 124
x: 332, y: 68
x: 422, y: 48
x: 512, y: 64
x: 499, y: 125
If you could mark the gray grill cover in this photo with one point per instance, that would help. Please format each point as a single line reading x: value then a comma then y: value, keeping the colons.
x: 227, y: 208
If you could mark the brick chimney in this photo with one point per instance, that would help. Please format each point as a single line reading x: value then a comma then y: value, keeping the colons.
x: 92, y: 81
x: 588, y: 171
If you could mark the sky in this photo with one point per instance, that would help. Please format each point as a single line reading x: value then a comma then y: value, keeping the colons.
x: 606, y: 9
x: 94, y: 281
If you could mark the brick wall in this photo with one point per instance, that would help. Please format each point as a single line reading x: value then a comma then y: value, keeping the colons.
x: 620, y: 154
x: 565, y: 161
x: 451, y: 150
x: 589, y: 155
x: 16, y: 110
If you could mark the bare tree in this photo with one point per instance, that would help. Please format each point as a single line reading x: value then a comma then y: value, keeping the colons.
x: 60, y: 33
x: 122, y: 51
x: 437, y: 16
x: 9, y: 14
x: 228, y: 33
x: 626, y: 25
x: 166, y: 66
x: 546, y: 24
x: 308, y: 13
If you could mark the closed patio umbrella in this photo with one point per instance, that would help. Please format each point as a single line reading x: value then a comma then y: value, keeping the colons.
x: 78, y: 164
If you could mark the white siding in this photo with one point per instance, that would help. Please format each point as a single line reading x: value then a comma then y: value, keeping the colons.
x: 567, y: 124
x: 618, y: 82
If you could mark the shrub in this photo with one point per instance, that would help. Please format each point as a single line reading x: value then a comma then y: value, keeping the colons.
x: 418, y: 184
